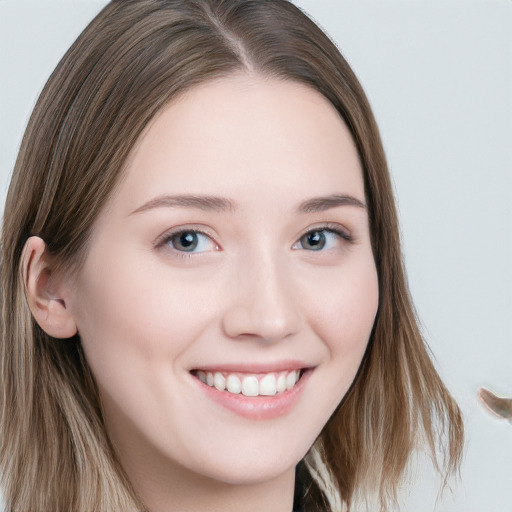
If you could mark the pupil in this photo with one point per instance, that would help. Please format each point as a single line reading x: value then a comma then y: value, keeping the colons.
x: 315, y: 240
x: 187, y: 241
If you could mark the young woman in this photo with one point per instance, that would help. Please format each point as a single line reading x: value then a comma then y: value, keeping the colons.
x: 204, y: 305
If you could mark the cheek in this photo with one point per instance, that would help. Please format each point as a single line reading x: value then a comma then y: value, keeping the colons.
x: 344, y: 314
x: 341, y: 314
x: 150, y: 317
x: 135, y: 334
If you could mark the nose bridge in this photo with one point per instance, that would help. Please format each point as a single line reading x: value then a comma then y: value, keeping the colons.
x: 263, y: 303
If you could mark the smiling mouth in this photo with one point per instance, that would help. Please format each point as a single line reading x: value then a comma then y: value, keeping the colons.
x: 261, y: 384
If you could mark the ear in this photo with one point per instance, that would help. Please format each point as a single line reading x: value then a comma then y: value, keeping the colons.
x: 42, y: 287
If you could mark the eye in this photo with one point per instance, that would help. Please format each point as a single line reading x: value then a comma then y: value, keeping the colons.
x: 320, y: 239
x: 190, y: 241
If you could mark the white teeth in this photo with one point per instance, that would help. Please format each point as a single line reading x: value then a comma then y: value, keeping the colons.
x: 250, y: 385
x: 281, y: 384
x: 291, y: 379
x: 233, y: 384
x: 219, y: 381
x: 268, y: 385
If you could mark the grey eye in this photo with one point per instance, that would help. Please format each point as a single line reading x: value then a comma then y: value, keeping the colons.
x: 189, y: 241
x: 321, y: 239
x: 314, y: 240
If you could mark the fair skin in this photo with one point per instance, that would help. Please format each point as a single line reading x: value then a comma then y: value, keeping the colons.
x: 272, y: 279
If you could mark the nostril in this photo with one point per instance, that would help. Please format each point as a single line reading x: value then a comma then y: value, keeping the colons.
x: 253, y: 323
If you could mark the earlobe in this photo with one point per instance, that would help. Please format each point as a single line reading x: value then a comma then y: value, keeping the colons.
x: 43, y: 294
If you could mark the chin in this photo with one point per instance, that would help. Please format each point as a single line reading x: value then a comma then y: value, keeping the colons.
x: 244, y: 468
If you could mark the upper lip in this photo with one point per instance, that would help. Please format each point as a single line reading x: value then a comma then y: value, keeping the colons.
x: 276, y: 366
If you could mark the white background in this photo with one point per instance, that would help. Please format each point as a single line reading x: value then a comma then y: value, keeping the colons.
x: 439, y: 77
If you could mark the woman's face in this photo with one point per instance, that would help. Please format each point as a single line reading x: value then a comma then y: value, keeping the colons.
x: 235, y: 251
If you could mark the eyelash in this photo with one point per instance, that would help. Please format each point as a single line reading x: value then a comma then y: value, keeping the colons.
x: 334, y: 229
x: 165, y: 240
x: 331, y: 228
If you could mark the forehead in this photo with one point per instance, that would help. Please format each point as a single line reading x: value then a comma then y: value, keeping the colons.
x: 244, y: 134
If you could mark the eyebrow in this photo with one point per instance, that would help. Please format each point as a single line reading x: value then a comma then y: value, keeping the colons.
x: 221, y: 204
x: 206, y: 203
x: 321, y: 204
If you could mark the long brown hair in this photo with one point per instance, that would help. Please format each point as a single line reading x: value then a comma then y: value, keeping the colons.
x: 133, y: 58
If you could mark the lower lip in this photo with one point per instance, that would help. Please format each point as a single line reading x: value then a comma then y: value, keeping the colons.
x: 258, y: 407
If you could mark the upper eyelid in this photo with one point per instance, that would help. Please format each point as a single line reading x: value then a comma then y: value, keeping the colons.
x: 162, y: 243
x: 339, y: 233
x: 333, y: 227
x: 182, y: 229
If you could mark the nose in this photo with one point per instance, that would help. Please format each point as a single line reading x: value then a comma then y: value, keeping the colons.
x: 262, y: 304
